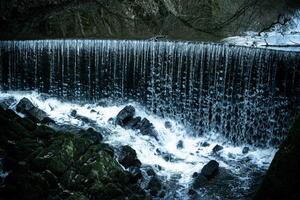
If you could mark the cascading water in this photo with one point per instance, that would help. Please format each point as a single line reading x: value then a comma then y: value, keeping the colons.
x: 249, y: 95
x: 208, y: 92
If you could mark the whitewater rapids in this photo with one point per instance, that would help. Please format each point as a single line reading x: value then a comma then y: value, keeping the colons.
x: 191, y: 158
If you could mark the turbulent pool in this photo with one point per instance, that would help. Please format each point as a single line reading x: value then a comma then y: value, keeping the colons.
x: 174, y: 165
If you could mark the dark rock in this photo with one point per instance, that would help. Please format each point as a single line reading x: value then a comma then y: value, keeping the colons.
x: 135, y: 174
x: 48, y: 120
x: 167, y: 156
x: 195, y: 174
x: 168, y: 124
x: 199, y: 181
x: 73, y: 113
x: 92, y: 135
x: 147, y: 128
x: 245, y: 150
x: 217, y: 148
x: 191, y: 192
x: 205, y: 144
x: 180, y: 144
x: 44, y: 131
x: 93, y: 111
x: 128, y: 157
x: 62, y: 165
x: 85, y: 119
x: 210, y: 169
x: 154, y: 186
x: 162, y: 194
x: 125, y: 115
x: 6, y: 103
x: 134, y: 123
x: 50, y: 177
x: 26, y: 107
x: 112, y: 191
x: 150, y: 171
x: 282, y: 179
x: 27, y: 123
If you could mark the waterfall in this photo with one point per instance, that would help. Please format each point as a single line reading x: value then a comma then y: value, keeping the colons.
x: 249, y: 95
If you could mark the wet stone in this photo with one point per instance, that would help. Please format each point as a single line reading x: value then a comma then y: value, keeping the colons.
x: 210, y: 169
x: 179, y: 144
x: 125, y: 115
x: 26, y: 107
x: 205, y: 144
x: 217, y: 148
x: 128, y: 157
x: 154, y: 185
x: 245, y: 150
x: 168, y: 125
x: 199, y: 181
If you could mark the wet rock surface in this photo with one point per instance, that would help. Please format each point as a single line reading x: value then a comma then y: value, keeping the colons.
x: 283, y: 177
x: 210, y: 169
x: 128, y: 157
x: 217, y: 148
x: 47, y: 164
x: 126, y: 118
x: 34, y: 113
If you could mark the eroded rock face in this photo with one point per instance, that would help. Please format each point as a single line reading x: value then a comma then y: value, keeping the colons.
x: 46, y: 164
x: 283, y: 177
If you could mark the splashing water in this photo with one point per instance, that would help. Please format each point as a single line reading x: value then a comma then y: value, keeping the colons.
x: 191, y: 158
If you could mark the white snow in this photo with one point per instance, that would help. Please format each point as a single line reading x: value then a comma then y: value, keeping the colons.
x: 285, y: 37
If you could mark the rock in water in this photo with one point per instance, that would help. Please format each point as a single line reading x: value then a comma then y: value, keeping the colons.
x: 154, y: 186
x: 168, y: 125
x: 147, y: 128
x: 245, y: 150
x: 6, y: 103
x: 128, y: 157
x: 125, y: 115
x: 217, y: 148
x: 35, y: 114
x: 205, y: 144
x: 199, y: 181
x: 210, y: 169
x: 134, y: 123
x: 135, y: 174
x: 180, y: 144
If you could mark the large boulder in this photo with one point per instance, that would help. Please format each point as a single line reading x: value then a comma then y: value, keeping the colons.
x: 126, y: 119
x: 34, y: 113
x: 125, y: 115
x: 128, y: 157
x: 147, y: 128
x: 210, y: 169
x: 217, y: 148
